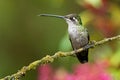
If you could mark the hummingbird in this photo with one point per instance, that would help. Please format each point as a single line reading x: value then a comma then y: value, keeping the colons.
x: 78, y: 34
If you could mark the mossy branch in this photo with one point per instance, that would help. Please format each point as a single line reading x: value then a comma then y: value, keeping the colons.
x: 49, y: 59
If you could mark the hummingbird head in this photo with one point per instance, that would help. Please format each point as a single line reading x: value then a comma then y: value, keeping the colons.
x: 73, y: 19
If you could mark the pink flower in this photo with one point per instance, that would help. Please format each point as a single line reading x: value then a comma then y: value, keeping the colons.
x: 45, y: 72
x: 90, y: 72
x: 85, y: 71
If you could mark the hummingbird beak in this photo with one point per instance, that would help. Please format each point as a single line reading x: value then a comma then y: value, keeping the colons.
x: 51, y: 15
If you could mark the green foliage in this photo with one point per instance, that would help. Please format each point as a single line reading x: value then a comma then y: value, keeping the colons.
x: 65, y: 44
x: 115, y: 59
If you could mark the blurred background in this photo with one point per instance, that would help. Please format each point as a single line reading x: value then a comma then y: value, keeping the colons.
x: 25, y: 37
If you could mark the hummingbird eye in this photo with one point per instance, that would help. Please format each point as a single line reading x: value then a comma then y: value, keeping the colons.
x: 72, y: 18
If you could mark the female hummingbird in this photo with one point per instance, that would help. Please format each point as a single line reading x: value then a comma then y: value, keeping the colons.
x: 78, y: 34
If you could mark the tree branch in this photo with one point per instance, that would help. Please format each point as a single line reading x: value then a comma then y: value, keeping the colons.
x: 50, y: 59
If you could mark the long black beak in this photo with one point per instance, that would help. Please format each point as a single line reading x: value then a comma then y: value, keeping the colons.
x: 51, y: 15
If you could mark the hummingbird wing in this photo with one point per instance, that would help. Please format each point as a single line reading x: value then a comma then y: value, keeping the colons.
x: 82, y: 56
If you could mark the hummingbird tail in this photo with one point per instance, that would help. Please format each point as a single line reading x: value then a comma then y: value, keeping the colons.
x: 83, y: 56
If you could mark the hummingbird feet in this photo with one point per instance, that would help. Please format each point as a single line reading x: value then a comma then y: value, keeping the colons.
x: 92, y: 43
